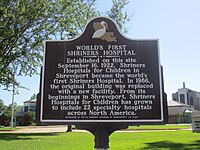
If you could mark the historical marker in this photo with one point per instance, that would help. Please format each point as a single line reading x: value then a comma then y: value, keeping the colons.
x: 102, y: 76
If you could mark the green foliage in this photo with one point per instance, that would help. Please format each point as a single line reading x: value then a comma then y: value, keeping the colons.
x: 17, y: 108
x: 29, y: 118
x: 2, y: 107
x: 25, y: 24
x: 5, y: 115
x: 33, y: 96
x: 117, y: 14
x: 20, y: 38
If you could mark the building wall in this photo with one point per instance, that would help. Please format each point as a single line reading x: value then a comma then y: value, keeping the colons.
x: 177, y: 110
x: 196, y: 99
x: 179, y: 119
x: 29, y: 106
x: 188, y: 97
x: 175, y: 96
x: 182, y: 95
x: 177, y: 114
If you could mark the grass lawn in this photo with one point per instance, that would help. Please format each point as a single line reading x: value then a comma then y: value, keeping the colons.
x: 159, y: 127
x: 7, y: 129
x: 169, y: 140
x: 162, y: 140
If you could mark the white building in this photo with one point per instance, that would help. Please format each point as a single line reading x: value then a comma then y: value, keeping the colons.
x: 175, y: 108
x: 29, y: 105
x: 179, y: 112
x: 188, y: 97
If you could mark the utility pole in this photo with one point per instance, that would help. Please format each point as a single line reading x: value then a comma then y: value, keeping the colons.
x: 13, y: 98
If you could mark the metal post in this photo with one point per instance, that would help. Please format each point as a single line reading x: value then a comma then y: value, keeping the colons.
x: 102, y: 132
x: 69, y: 128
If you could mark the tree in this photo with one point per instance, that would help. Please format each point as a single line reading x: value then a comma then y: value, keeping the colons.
x: 33, y: 96
x: 19, y: 38
x: 3, y: 112
x: 116, y: 13
x: 29, y: 118
x: 25, y: 24
x: 6, y: 115
x: 2, y: 107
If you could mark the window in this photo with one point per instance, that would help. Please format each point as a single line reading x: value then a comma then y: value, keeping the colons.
x: 191, y: 101
x: 25, y: 108
x: 32, y: 108
x: 182, y: 98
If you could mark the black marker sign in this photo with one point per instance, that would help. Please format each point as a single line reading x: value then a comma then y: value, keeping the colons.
x: 101, y: 76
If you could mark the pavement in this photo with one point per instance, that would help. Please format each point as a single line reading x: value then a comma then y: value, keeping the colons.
x: 38, y: 129
x: 63, y: 128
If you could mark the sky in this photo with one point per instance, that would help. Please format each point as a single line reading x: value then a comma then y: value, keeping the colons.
x: 176, y: 23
